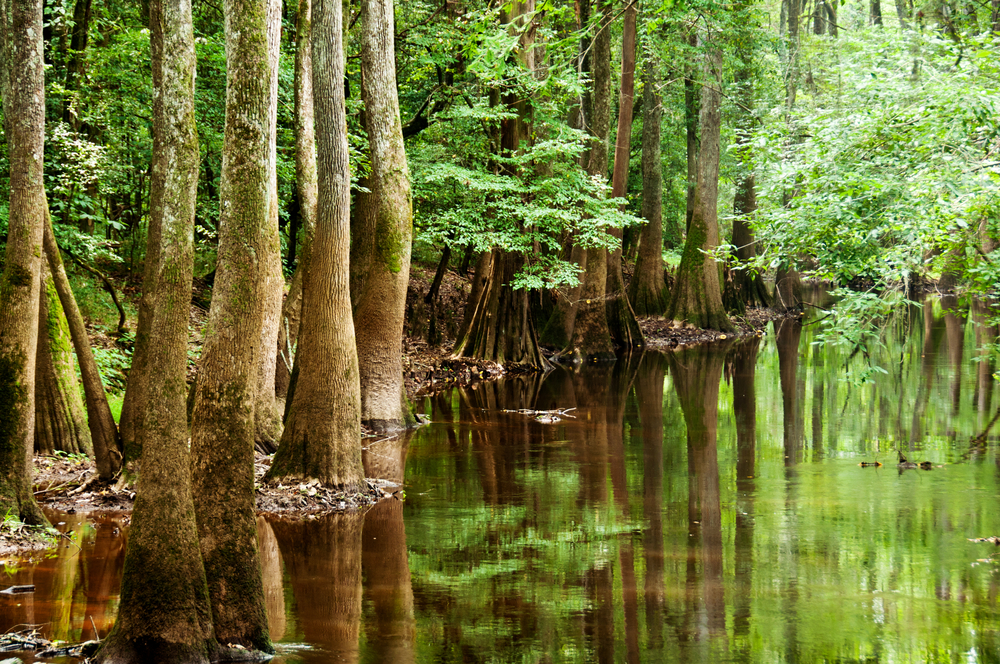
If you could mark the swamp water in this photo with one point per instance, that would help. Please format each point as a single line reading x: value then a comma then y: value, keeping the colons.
x: 699, y: 506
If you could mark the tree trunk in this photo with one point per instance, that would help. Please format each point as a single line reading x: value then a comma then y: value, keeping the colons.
x: 691, y: 99
x: 591, y: 337
x: 223, y: 420
x: 819, y: 17
x: 305, y: 185
x: 267, y: 415
x: 875, y: 12
x: 381, y: 305
x: 103, y: 432
x: 697, y: 296
x: 903, y: 13
x: 164, y: 614
x: 24, y: 113
x: 647, y: 290
x: 323, y: 430
x: 622, y: 325
x: 60, y: 422
x: 74, y: 60
x: 746, y: 288
x: 831, y: 18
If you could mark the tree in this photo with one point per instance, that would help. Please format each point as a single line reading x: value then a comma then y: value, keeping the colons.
x: 164, y: 614
x: 24, y: 119
x: 323, y: 428
x: 622, y: 325
x: 60, y: 423
x: 697, y: 296
x: 223, y: 424
x: 381, y: 305
x: 647, y: 292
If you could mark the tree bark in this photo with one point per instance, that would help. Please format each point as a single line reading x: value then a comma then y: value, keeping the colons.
x: 591, y: 337
x: 74, y: 60
x: 322, y: 434
x: 875, y: 12
x: 267, y: 414
x: 381, y: 305
x: 647, y: 291
x: 164, y: 614
x: 305, y: 185
x: 24, y: 112
x: 622, y: 325
x: 60, y: 422
x: 103, y: 432
x: 223, y: 421
x: 697, y: 296
x: 691, y: 100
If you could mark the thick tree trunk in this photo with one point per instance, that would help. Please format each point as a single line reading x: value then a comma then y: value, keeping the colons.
x: 267, y: 414
x: 591, y: 337
x: 787, y: 289
x: 697, y: 296
x: 164, y: 614
x: 381, y: 305
x: 24, y: 110
x: 60, y: 422
x: 223, y: 420
x: 622, y: 325
x: 647, y: 291
x: 305, y: 185
x: 323, y: 430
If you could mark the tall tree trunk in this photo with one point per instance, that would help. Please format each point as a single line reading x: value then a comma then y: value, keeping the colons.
x: 322, y: 434
x: 74, y: 61
x: 60, y: 422
x: 746, y: 288
x: 903, y: 13
x: 164, y: 614
x: 647, y: 291
x: 591, y: 337
x: 223, y: 420
x: 267, y: 415
x: 305, y: 185
x: 622, y: 325
x: 875, y: 12
x: 697, y: 295
x: 381, y: 306
x: 103, y: 432
x: 819, y: 17
x: 24, y: 113
x: 691, y: 100
x: 831, y: 18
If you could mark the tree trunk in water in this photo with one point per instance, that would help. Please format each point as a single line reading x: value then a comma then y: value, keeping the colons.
x: 103, y: 432
x: 787, y: 289
x: 24, y: 113
x: 381, y: 306
x: 591, y: 337
x: 60, y: 423
x: 746, y: 287
x: 697, y: 296
x: 647, y: 291
x: 322, y: 434
x: 223, y: 420
x: 164, y: 614
x: 622, y: 325
x: 305, y: 184
x: 499, y: 325
x: 267, y: 415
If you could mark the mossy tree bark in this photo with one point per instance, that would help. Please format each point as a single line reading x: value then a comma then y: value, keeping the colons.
x: 164, y: 614
x: 223, y: 421
x: 305, y: 189
x: 697, y: 296
x: 267, y: 414
x: 647, y: 292
x: 622, y: 325
x: 60, y: 422
x: 103, y: 431
x: 591, y: 337
x: 24, y: 113
x: 381, y: 305
x: 322, y: 433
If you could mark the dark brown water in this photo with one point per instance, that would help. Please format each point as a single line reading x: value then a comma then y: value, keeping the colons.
x: 705, y: 505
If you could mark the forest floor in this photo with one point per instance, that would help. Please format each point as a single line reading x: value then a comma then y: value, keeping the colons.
x: 69, y: 483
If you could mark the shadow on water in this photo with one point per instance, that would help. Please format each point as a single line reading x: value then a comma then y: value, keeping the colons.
x: 701, y: 505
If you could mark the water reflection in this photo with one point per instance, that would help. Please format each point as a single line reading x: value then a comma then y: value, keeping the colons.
x: 702, y: 505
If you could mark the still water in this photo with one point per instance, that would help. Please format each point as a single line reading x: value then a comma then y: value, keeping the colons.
x: 705, y: 505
